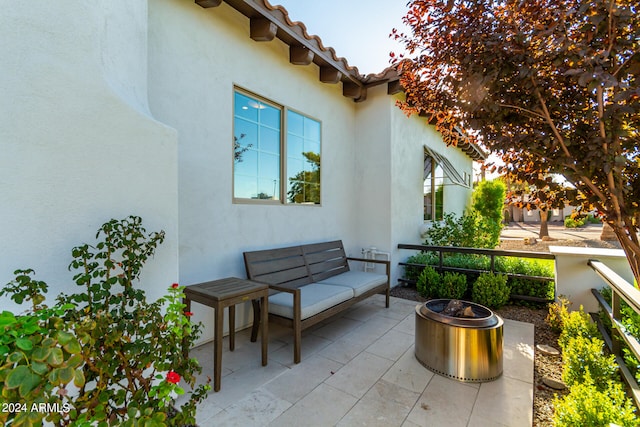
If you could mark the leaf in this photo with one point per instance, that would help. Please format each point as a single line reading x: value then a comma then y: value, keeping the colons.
x: 56, y: 357
x: 40, y: 368
x: 21, y: 377
x: 24, y: 344
x: 66, y: 375
x: 40, y: 354
x: 73, y: 346
x: 64, y: 337
x: 78, y: 378
x: 15, y: 357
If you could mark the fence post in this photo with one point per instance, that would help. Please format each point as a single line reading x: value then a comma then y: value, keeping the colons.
x: 615, y: 333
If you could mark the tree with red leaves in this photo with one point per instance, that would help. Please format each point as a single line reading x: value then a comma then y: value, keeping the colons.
x: 550, y: 86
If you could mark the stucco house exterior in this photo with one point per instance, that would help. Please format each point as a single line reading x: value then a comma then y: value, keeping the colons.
x: 208, y: 119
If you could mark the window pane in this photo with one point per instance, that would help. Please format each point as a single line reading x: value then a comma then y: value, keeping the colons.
x: 269, y: 140
x: 245, y: 187
x: 295, y: 147
x: 303, y: 159
x: 243, y: 107
x: 295, y: 123
x: 433, y: 191
x: 257, y: 142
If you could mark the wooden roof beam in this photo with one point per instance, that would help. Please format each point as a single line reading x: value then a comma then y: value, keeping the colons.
x: 208, y: 3
x: 263, y: 30
x: 352, y: 90
x: 300, y: 55
x: 330, y: 75
x: 394, y: 87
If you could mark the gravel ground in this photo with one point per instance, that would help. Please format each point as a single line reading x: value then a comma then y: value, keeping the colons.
x: 545, y: 366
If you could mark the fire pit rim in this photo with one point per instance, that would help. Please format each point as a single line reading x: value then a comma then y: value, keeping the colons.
x: 491, y: 320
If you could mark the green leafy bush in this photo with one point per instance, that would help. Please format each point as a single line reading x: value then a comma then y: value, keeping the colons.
x: 453, y: 285
x: 424, y: 258
x: 466, y: 231
x: 573, y: 222
x: 558, y: 311
x: 491, y: 290
x: 584, y: 356
x: 428, y: 282
x: 528, y: 267
x: 576, y: 324
x: 488, y: 201
x: 123, y: 354
x: 593, y: 406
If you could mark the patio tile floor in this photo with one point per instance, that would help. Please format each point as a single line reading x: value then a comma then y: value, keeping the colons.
x: 359, y: 369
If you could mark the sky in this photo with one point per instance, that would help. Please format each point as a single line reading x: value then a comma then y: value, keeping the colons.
x: 357, y: 30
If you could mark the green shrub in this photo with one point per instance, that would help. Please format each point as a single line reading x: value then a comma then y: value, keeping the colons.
x: 587, y: 405
x: 528, y: 267
x: 573, y: 223
x: 454, y: 285
x: 585, y: 356
x: 558, y: 311
x: 491, y: 290
x: 121, y: 352
x: 468, y: 231
x: 428, y: 282
x: 576, y: 324
x: 488, y: 200
x: 591, y: 219
x: 424, y: 258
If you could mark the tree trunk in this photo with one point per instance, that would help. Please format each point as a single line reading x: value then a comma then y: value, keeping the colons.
x: 544, y: 225
x: 631, y: 250
x: 607, y: 233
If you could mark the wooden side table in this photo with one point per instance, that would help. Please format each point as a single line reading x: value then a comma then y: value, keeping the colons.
x: 227, y: 293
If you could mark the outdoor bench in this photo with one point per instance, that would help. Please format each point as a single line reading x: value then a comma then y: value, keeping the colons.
x: 310, y: 283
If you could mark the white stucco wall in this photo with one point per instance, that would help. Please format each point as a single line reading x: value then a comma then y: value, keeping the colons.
x: 196, y: 57
x: 78, y: 144
x: 123, y: 107
x: 575, y: 278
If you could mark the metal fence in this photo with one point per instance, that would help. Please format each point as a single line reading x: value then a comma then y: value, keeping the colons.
x: 621, y: 290
x: 491, y: 253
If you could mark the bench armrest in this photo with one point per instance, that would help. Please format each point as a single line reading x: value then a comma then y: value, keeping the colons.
x: 379, y: 261
x: 284, y: 289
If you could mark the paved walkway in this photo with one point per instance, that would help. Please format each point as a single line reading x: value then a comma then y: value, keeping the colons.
x: 359, y: 369
x: 520, y: 230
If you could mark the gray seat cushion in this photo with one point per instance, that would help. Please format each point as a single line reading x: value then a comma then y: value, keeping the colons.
x: 314, y: 298
x: 359, y: 281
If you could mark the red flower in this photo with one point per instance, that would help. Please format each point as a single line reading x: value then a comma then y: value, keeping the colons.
x: 188, y: 313
x: 175, y: 286
x: 173, y: 377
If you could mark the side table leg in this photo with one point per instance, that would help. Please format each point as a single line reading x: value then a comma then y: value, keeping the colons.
x: 256, y: 319
x: 232, y: 327
x: 265, y: 327
x: 217, y: 352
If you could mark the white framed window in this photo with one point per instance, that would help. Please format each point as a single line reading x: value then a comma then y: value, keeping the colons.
x: 433, y: 190
x: 276, y: 153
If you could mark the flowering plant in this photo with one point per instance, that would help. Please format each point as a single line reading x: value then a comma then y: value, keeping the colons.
x: 123, y: 354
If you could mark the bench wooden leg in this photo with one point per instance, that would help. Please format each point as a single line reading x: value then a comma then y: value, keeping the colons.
x: 297, y: 327
x: 264, y: 319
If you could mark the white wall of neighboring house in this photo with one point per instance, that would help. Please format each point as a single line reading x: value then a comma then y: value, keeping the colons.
x: 134, y: 115
x: 79, y: 145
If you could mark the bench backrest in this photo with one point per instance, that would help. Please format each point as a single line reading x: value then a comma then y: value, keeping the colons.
x: 284, y: 266
x: 296, y: 266
x: 325, y: 259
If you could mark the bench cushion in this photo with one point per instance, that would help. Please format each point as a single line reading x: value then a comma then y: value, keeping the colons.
x: 314, y: 298
x: 359, y: 281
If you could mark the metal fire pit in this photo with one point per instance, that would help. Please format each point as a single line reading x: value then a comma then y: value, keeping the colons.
x: 465, y: 349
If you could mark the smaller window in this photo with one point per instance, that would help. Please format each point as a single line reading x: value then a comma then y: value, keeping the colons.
x: 433, y: 190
